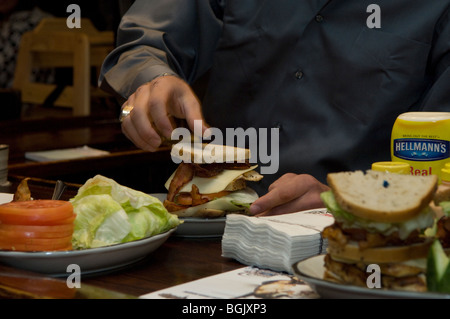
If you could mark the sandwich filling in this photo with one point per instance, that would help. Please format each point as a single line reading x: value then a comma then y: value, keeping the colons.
x: 195, y: 185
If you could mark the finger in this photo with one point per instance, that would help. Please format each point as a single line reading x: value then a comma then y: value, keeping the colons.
x: 142, y: 122
x: 161, y: 119
x: 129, y: 130
x: 287, y: 208
x: 283, y: 190
x: 275, y: 197
x: 185, y: 105
x: 132, y: 134
x: 159, y: 108
x: 194, y: 116
x: 283, y: 180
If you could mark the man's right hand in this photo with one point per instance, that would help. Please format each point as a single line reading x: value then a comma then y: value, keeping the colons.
x: 155, y: 105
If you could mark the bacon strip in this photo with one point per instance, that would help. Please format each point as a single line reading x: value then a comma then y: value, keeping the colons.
x: 186, y: 172
x: 183, y: 175
x: 172, y: 207
x: 197, y: 197
x: 194, y: 198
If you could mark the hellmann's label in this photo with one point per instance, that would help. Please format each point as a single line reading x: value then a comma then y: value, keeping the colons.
x: 421, y: 149
x: 422, y: 139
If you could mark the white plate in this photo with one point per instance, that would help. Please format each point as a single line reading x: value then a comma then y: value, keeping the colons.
x: 197, y: 227
x: 201, y: 227
x: 6, y: 198
x: 91, y: 260
x: 311, y: 271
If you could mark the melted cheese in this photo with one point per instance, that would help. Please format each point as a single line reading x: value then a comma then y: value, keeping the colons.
x: 209, y: 185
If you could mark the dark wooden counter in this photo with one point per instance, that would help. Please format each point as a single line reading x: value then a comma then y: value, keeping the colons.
x: 145, y: 171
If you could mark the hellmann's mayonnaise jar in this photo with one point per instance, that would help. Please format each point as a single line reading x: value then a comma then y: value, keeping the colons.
x: 392, y: 167
x: 422, y: 139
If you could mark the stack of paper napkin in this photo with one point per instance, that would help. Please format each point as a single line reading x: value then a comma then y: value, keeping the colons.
x: 275, y: 242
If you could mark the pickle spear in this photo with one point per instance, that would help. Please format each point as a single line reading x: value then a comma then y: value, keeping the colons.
x: 438, y: 269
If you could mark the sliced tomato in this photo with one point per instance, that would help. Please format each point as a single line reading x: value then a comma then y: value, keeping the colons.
x: 28, y: 247
x: 58, y: 242
x: 37, y: 229
x: 36, y: 244
x: 18, y: 234
x: 36, y: 212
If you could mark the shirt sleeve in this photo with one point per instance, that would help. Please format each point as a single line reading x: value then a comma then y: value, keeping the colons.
x: 162, y: 36
x: 438, y: 96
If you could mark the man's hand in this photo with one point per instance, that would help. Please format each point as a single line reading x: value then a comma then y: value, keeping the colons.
x: 288, y: 194
x: 155, y: 105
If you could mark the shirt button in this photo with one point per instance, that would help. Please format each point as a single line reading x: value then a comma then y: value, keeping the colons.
x: 319, y: 18
x: 299, y: 74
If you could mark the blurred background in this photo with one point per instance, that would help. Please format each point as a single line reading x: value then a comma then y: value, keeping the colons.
x: 18, y: 17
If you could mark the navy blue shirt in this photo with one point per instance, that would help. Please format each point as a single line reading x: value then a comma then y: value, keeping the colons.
x: 315, y: 69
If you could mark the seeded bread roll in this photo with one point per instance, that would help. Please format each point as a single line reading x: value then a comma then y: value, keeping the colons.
x: 394, y: 197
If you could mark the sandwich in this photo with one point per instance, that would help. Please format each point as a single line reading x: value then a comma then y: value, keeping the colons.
x: 441, y: 203
x: 210, y: 181
x: 380, y: 218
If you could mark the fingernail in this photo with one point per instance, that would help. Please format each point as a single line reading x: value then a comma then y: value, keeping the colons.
x: 255, y: 209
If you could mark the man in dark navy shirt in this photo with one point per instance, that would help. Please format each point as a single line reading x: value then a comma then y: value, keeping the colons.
x: 331, y: 75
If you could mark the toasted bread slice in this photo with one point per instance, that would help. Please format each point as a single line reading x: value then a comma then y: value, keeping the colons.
x: 202, y: 153
x: 379, y: 255
x: 380, y: 196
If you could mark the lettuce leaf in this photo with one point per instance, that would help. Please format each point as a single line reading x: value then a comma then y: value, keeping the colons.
x: 235, y: 201
x: 109, y: 213
x: 445, y: 207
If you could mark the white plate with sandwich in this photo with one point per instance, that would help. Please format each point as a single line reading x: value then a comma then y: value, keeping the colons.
x: 379, y: 221
x: 202, y: 193
x: 312, y: 272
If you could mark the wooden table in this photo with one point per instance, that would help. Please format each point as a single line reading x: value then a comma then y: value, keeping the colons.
x: 178, y: 260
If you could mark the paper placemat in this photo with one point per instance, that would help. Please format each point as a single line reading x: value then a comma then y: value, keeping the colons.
x: 243, y: 283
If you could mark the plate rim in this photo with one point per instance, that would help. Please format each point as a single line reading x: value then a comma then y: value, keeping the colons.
x: 39, y: 261
x: 88, y: 251
x: 360, y: 292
